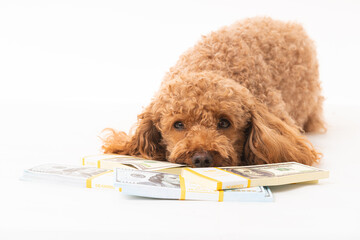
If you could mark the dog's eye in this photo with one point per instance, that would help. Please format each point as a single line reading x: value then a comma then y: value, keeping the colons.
x: 223, y: 123
x: 179, y: 125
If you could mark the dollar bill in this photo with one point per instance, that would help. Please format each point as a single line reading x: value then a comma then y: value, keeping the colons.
x: 273, y: 170
x: 172, y: 186
x: 251, y: 176
x: 90, y: 177
x: 111, y: 161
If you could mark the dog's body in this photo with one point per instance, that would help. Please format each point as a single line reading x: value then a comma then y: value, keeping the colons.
x: 241, y: 96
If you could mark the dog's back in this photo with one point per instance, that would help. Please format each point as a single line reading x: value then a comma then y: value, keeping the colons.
x: 275, y: 60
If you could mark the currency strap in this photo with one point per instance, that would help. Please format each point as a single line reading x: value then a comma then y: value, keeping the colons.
x: 89, y: 180
x: 182, y: 187
x: 221, y: 195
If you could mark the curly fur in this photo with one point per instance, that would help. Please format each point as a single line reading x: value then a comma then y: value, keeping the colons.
x: 259, y: 74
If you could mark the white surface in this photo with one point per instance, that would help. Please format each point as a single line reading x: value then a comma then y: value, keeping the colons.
x: 68, y: 69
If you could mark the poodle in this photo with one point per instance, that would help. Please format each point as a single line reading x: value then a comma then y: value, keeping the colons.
x: 243, y: 95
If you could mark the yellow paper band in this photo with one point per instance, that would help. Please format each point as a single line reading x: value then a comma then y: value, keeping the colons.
x: 248, y: 180
x: 83, y: 161
x: 89, y: 180
x: 120, y: 189
x: 98, y: 163
x: 182, y: 187
x: 219, y: 183
x: 221, y: 195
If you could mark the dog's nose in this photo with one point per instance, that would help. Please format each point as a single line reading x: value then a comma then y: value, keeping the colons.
x: 202, y: 159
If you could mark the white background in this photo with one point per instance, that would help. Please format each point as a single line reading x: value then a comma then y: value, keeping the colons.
x: 68, y: 69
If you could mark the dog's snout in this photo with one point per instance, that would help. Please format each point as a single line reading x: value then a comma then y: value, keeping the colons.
x: 202, y: 159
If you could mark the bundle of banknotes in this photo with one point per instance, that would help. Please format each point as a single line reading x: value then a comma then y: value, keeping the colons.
x: 172, y: 186
x: 164, y: 180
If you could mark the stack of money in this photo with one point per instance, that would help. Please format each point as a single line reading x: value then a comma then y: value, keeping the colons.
x: 89, y: 177
x: 172, y: 186
x: 160, y: 179
x: 112, y: 161
x: 251, y: 176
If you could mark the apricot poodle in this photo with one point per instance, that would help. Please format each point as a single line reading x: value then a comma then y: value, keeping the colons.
x: 242, y: 95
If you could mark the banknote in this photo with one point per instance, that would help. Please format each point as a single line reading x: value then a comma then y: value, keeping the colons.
x: 251, y: 176
x: 111, y: 161
x: 90, y: 177
x: 172, y: 186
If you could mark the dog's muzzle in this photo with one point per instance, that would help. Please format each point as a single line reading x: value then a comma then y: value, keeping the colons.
x: 202, y: 159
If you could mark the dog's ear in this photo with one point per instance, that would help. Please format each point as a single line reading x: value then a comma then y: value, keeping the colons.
x: 271, y: 140
x: 146, y: 141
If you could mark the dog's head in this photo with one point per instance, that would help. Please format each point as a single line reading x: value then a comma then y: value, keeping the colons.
x: 206, y: 120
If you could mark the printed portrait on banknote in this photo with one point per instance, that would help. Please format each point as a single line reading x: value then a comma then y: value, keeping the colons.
x: 159, y: 179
